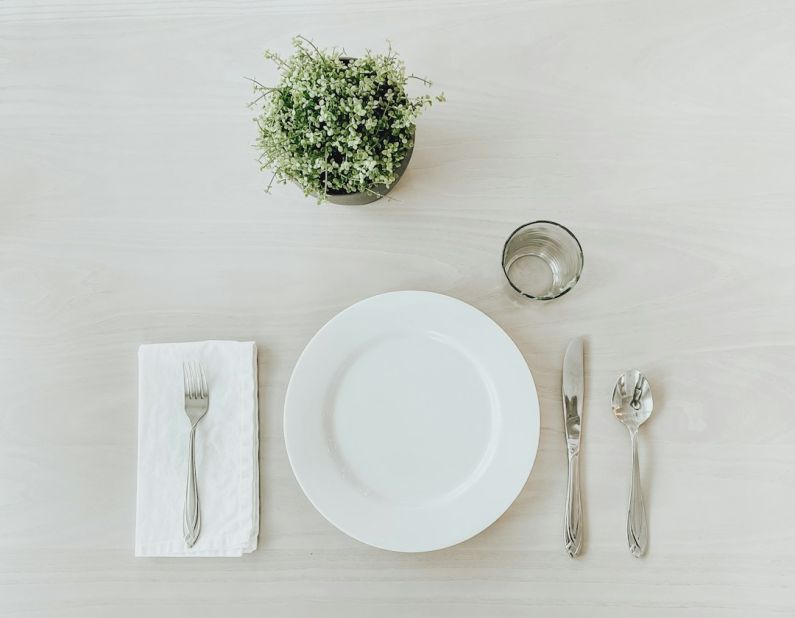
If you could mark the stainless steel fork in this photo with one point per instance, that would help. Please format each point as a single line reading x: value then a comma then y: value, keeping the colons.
x: 197, y: 400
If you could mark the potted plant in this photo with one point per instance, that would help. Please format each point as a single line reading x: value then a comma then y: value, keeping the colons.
x: 341, y: 128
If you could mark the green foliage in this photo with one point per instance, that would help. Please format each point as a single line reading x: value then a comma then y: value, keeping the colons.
x: 336, y: 124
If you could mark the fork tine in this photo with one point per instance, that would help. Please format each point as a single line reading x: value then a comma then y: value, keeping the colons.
x: 203, y: 377
x: 191, y: 380
x: 195, y: 380
x: 185, y: 378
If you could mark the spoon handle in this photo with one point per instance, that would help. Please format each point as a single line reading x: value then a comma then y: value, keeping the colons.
x: 573, y: 516
x: 637, y: 531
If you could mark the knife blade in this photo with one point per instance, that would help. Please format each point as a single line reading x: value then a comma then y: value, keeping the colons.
x: 573, y: 393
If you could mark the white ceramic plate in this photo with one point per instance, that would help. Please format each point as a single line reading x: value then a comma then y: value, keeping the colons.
x: 411, y: 421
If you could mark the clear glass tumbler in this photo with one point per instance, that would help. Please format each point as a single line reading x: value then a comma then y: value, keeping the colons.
x: 542, y: 260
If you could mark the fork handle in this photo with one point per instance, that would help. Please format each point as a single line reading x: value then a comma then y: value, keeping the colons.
x: 191, y: 519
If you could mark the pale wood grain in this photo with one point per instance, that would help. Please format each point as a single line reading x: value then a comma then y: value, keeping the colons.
x: 663, y: 133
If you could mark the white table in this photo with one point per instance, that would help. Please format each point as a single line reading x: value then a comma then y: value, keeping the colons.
x: 131, y: 210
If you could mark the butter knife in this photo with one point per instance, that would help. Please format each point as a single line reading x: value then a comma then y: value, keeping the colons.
x: 573, y: 389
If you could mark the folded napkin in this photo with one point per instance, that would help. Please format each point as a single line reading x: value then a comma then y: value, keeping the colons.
x: 227, y: 442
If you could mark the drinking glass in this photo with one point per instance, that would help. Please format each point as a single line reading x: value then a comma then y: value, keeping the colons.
x: 542, y: 260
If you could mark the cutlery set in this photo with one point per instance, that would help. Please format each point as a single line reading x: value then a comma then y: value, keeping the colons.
x: 632, y: 405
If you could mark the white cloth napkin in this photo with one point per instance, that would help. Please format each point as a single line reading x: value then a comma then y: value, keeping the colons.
x: 227, y: 441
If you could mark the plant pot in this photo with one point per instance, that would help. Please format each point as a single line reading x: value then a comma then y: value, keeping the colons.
x: 377, y: 192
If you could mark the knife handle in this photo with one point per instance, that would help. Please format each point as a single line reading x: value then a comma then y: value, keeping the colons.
x: 573, y: 515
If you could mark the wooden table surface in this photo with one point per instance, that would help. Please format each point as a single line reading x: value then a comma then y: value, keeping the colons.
x: 132, y: 210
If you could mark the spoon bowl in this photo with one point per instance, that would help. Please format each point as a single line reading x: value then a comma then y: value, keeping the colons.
x: 632, y: 400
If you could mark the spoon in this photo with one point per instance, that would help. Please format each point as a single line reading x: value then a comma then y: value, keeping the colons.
x: 632, y: 405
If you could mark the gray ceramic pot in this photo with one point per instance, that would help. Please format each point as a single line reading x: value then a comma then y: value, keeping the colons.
x: 366, y: 197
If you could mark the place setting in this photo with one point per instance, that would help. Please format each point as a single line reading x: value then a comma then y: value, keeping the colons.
x: 411, y: 418
x: 411, y: 422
